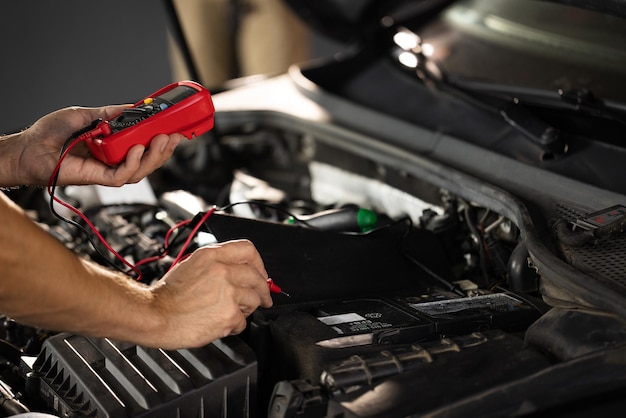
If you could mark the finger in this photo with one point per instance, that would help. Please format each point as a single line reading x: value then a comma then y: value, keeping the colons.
x: 160, y: 150
x: 247, y: 276
x: 239, y: 252
x: 107, y: 112
x: 86, y: 115
x: 245, y: 253
x: 240, y: 326
x: 233, y: 321
x: 141, y: 161
x: 252, y: 288
x: 126, y: 171
x: 248, y: 301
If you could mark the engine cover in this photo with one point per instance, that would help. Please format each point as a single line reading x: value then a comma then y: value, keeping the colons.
x: 79, y: 376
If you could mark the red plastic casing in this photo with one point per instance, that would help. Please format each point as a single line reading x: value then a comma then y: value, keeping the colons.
x: 192, y: 116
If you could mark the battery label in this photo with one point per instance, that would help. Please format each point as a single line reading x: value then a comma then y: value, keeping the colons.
x: 495, y: 301
x: 341, y: 319
x: 363, y: 316
x: 353, y: 323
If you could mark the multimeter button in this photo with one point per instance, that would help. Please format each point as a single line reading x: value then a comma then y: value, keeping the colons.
x: 148, y: 100
x: 163, y: 106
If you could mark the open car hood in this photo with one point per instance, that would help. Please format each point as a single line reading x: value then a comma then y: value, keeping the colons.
x: 350, y: 20
x: 488, y: 74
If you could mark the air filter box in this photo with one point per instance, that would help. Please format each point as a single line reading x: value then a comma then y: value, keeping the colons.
x: 78, y: 376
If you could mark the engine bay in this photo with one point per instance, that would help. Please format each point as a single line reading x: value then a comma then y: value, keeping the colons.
x: 400, y: 297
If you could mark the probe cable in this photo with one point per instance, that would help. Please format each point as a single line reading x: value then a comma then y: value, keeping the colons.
x: 52, y: 183
x: 89, y: 132
x: 82, y: 135
x: 194, y: 231
x: 166, y: 244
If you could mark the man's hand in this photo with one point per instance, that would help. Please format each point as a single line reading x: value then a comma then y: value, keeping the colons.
x: 210, y: 294
x: 37, y: 152
x: 205, y: 297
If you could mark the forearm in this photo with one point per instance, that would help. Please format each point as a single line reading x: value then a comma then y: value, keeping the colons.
x: 45, y: 285
x: 205, y: 297
x: 10, y: 151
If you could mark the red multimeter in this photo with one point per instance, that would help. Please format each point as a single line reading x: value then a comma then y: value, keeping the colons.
x: 183, y: 107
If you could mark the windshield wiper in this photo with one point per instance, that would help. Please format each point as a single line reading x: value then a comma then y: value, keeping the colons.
x: 576, y: 100
x: 539, y: 132
x: 512, y: 103
x: 505, y: 102
x: 516, y: 104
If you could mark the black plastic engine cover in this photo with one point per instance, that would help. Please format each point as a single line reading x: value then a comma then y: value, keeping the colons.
x: 313, y: 265
x: 406, y: 380
x: 79, y: 376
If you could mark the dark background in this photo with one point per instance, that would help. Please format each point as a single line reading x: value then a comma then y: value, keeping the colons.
x: 73, y: 52
x: 63, y: 53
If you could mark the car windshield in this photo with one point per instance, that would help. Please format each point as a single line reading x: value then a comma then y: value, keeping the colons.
x: 530, y: 44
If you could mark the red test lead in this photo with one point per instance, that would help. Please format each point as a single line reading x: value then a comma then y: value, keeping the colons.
x: 274, y: 288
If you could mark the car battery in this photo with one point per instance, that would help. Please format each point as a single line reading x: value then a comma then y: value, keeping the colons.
x: 369, y: 321
x: 459, y: 315
x: 306, y: 336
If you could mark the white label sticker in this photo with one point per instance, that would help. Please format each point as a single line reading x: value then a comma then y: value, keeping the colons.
x: 341, y: 319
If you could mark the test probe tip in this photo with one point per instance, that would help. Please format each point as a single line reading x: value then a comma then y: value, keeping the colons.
x: 274, y: 288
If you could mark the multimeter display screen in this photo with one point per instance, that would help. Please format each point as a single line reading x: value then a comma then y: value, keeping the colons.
x: 177, y: 94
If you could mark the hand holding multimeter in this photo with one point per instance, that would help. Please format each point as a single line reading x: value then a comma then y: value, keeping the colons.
x: 183, y: 107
